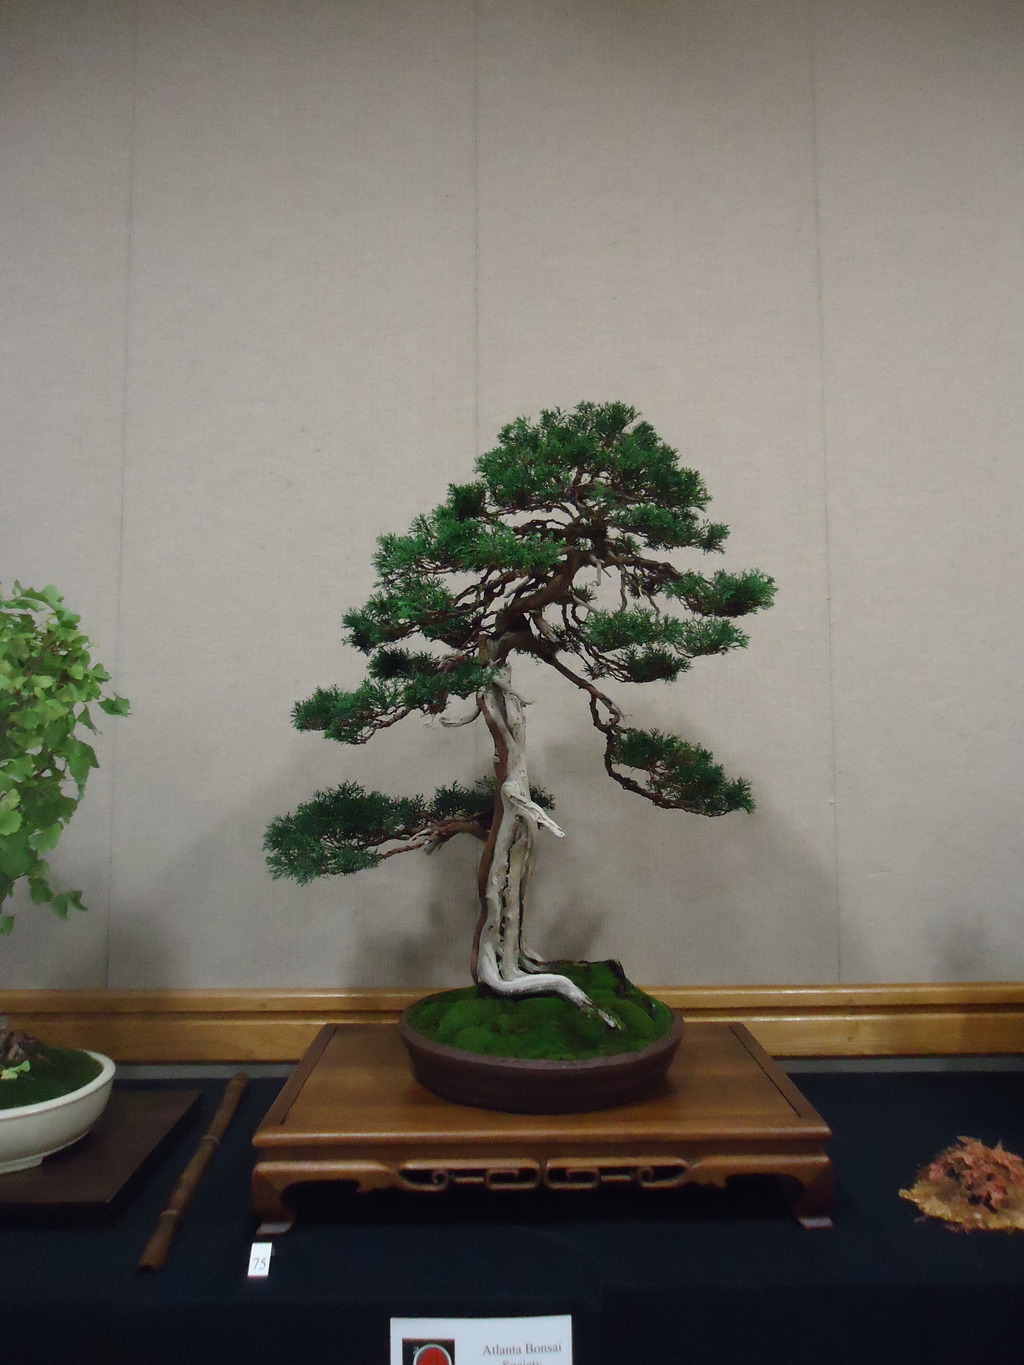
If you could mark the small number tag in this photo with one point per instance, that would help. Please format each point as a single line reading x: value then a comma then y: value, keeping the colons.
x: 259, y: 1260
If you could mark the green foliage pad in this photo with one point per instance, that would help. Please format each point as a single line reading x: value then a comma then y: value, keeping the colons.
x: 509, y: 564
x: 545, y: 1027
x: 55, y: 1071
x: 47, y: 683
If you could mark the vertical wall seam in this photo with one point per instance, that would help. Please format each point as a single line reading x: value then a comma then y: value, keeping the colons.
x: 123, y: 436
x: 476, y: 227
x: 477, y: 741
x: 812, y: 53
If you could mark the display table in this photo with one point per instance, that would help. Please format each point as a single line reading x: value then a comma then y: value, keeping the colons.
x: 353, y: 1112
x: 691, y: 1273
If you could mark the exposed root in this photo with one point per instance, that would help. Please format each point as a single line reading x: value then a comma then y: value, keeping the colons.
x: 525, y: 983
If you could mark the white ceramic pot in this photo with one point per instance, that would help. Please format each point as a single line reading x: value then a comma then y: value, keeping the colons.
x: 36, y: 1130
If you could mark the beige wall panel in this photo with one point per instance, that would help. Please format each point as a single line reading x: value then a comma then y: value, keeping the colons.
x: 301, y: 380
x: 921, y: 109
x: 647, y: 232
x: 65, y: 135
x: 273, y: 270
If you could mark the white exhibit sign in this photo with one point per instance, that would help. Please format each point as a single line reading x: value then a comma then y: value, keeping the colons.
x: 481, y: 1341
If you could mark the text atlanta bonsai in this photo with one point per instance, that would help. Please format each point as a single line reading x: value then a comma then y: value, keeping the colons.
x: 554, y: 551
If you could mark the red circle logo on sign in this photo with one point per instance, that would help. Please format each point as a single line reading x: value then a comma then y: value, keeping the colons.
x: 432, y: 1355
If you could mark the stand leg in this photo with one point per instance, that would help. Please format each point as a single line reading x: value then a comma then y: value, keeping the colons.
x: 276, y: 1217
x: 812, y: 1208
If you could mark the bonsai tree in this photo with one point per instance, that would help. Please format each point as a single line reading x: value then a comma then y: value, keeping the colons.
x: 556, y: 551
x: 47, y: 683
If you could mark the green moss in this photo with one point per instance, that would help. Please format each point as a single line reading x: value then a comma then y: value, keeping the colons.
x: 477, y: 1038
x: 55, y: 1071
x: 546, y: 1026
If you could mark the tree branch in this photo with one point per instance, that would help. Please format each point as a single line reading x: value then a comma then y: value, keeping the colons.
x: 597, y: 697
x: 437, y: 834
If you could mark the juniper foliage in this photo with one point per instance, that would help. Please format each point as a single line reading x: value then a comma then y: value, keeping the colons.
x: 509, y: 563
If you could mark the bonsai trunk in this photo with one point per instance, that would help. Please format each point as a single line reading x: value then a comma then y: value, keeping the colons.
x: 501, y: 961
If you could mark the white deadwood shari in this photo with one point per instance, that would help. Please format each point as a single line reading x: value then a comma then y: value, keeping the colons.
x: 504, y: 965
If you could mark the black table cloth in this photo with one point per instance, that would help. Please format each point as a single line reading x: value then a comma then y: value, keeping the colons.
x: 658, y: 1277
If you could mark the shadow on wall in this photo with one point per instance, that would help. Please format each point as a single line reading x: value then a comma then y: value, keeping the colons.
x: 212, y: 916
x: 683, y: 899
x: 142, y: 954
x: 680, y: 899
x: 968, y: 949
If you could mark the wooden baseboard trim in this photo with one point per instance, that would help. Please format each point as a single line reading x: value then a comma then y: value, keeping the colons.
x: 889, y: 1020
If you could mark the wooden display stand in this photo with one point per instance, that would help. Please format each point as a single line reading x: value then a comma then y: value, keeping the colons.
x: 351, y: 1111
x: 91, y: 1180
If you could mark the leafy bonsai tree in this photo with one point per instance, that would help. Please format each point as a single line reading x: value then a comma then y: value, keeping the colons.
x: 555, y: 550
x: 47, y: 682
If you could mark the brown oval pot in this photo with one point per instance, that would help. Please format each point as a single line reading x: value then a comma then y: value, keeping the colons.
x: 520, y: 1086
